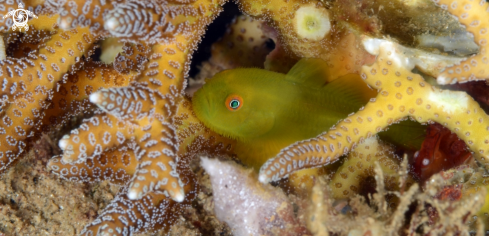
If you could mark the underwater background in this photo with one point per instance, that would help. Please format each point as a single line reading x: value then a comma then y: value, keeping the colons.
x: 278, y: 117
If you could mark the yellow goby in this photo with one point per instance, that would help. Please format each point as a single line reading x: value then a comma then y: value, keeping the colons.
x: 267, y: 111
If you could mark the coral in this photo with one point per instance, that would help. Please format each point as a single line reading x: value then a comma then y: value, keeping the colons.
x: 401, y: 94
x: 471, y: 14
x: 161, y: 77
x: 470, y: 187
x: 441, y: 150
x: 359, y: 165
x: 111, y: 47
x: 142, y: 133
x: 429, y: 214
x: 119, y: 165
x: 3, y: 54
x: 248, y: 206
x: 99, y: 134
x: 243, y: 45
x: 36, y: 77
x: 311, y: 22
x: 71, y: 97
x: 76, y: 13
x: 310, y: 30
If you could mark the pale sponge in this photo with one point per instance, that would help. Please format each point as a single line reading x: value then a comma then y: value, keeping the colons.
x: 248, y: 206
x: 311, y: 22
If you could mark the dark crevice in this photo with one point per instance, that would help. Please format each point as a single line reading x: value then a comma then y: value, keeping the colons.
x: 213, y: 33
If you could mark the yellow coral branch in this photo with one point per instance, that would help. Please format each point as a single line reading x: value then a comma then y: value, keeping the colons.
x: 474, y: 16
x: 401, y: 94
x: 359, y: 165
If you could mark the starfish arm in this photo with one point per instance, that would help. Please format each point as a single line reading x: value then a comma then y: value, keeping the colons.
x: 474, y: 16
x: 116, y: 166
x: 71, y: 97
x: 99, y: 133
x: 127, y: 103
x: 20, y: 118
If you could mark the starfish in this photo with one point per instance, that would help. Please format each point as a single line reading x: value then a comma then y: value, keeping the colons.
x: 401, y: 94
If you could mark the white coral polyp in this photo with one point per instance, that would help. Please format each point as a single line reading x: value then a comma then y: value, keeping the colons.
x: 312, y: 23
x: 450, y: 101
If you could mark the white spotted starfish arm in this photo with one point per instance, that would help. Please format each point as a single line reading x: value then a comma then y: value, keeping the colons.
x: 401, y: 94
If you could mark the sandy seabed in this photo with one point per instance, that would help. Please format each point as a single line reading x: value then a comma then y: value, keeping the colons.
x: 34, y: 201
